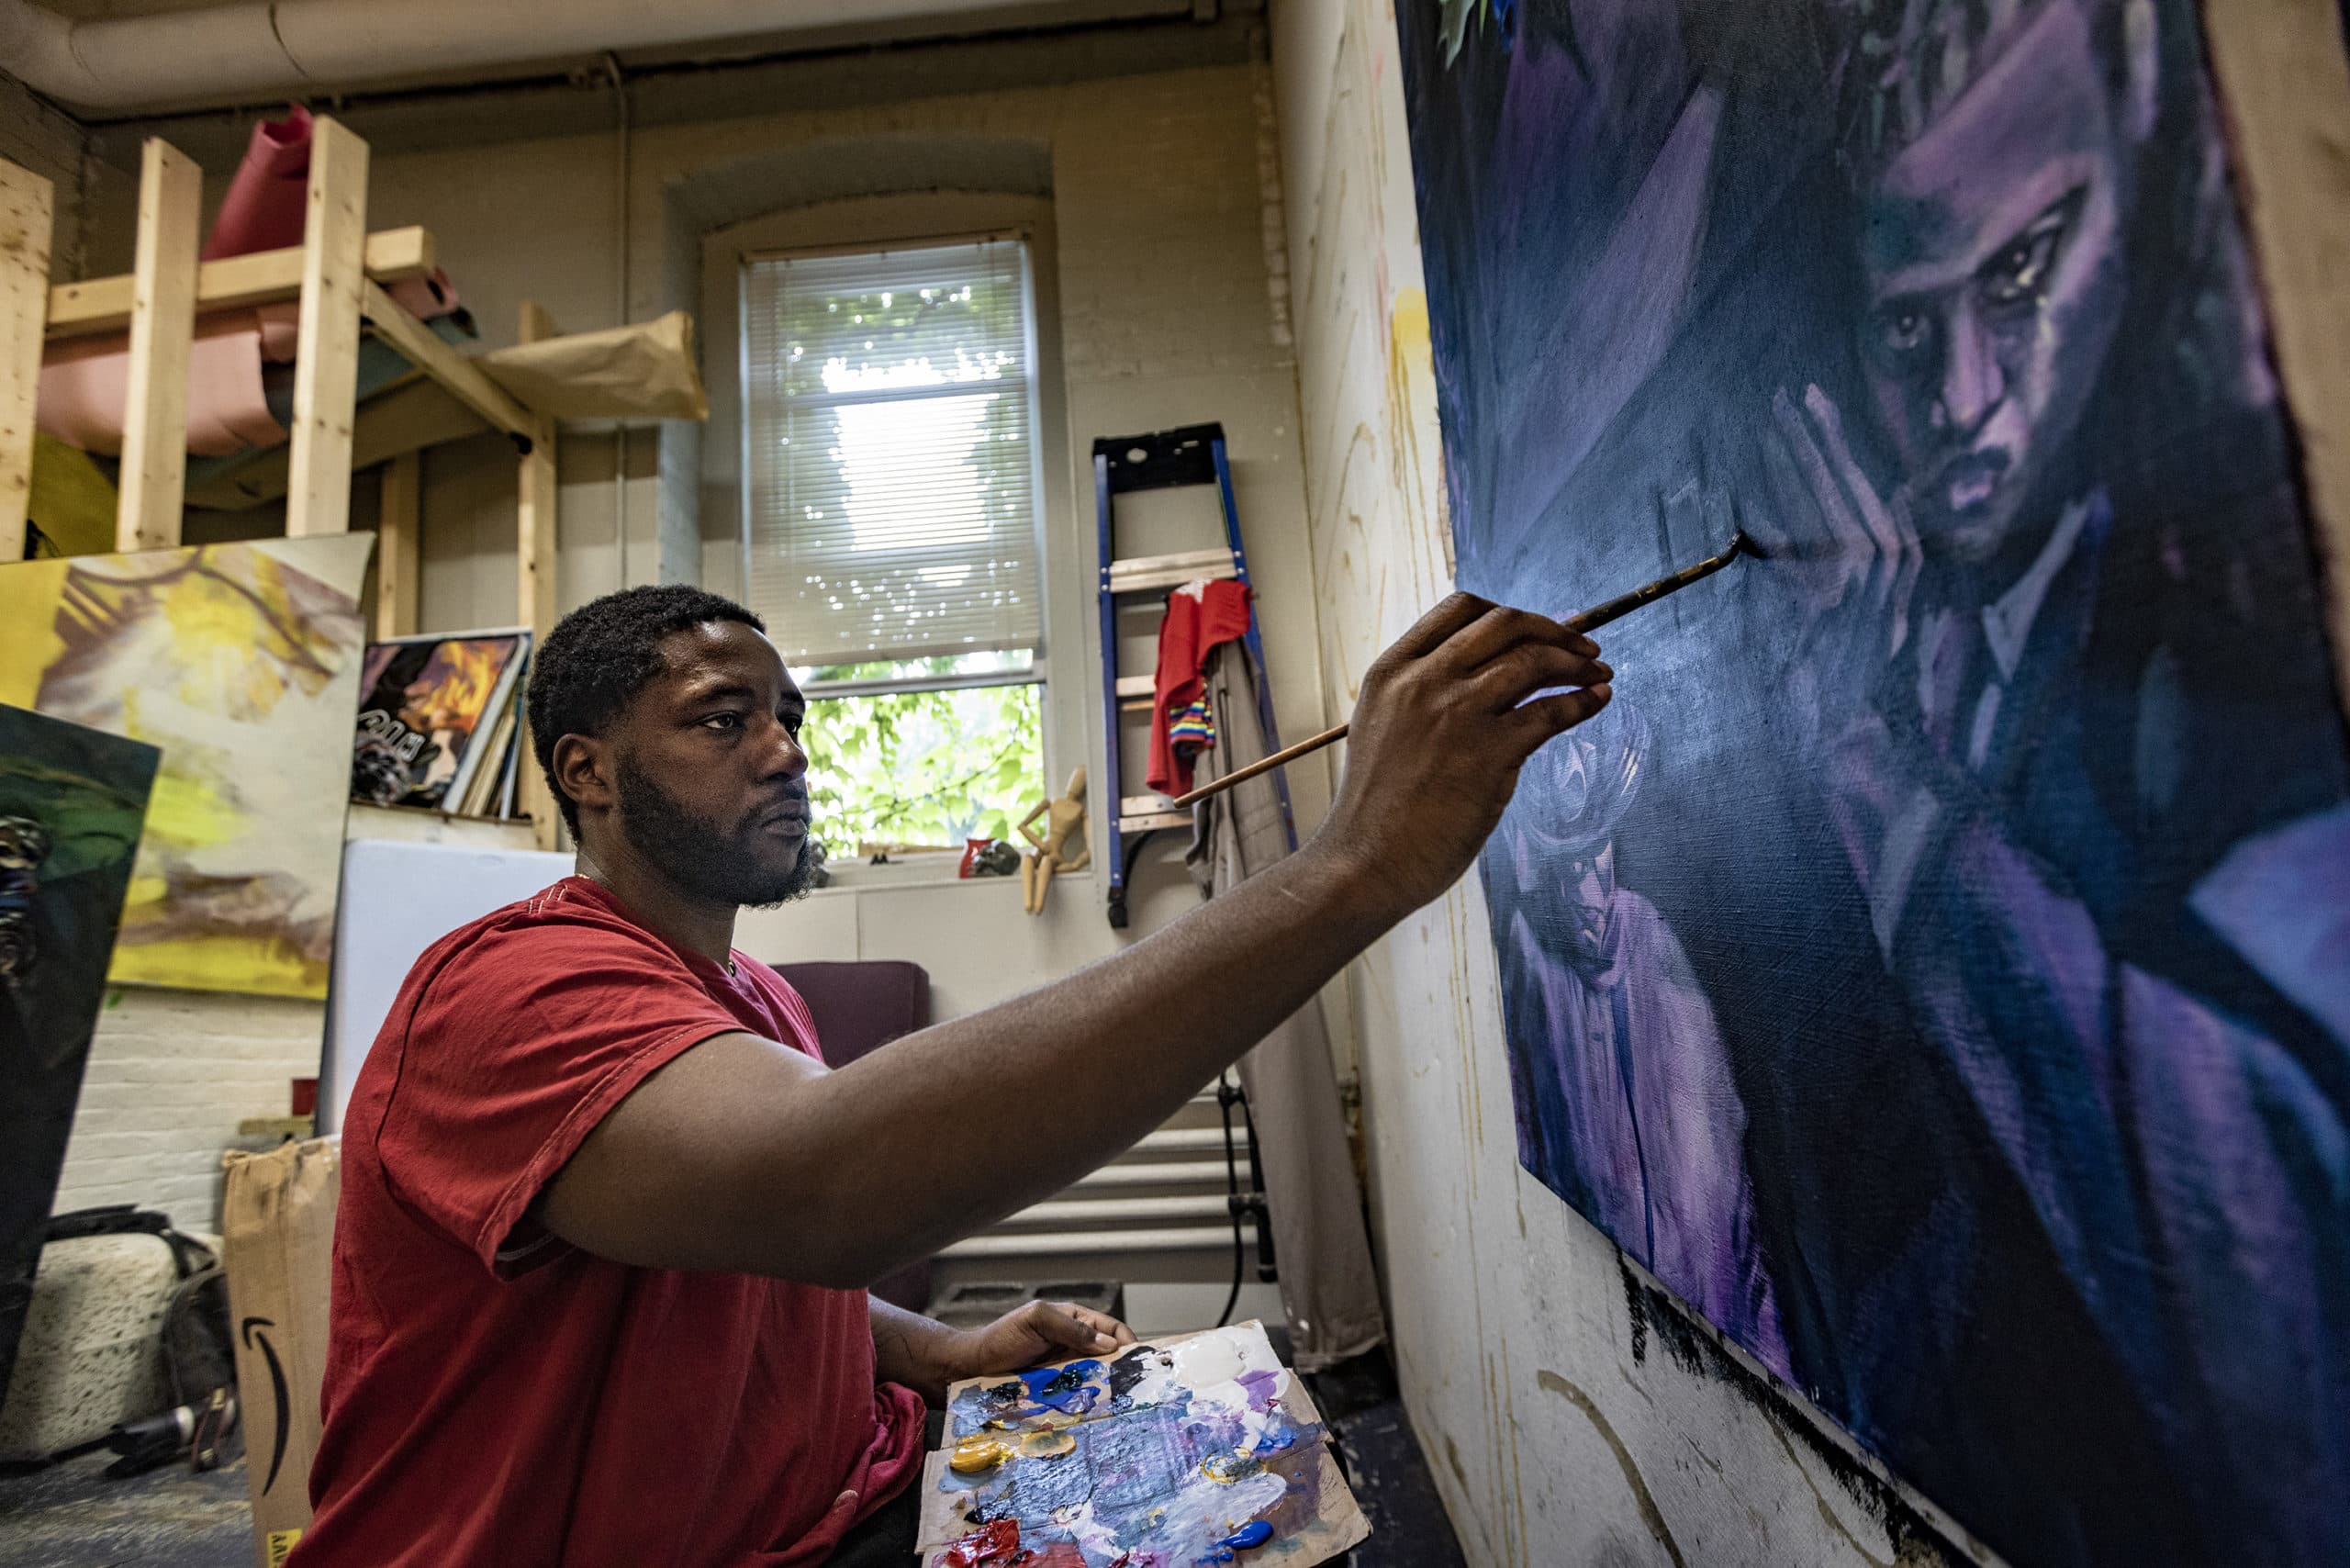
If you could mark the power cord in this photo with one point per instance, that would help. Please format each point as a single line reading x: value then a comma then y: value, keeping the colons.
x: 1244, y: 1205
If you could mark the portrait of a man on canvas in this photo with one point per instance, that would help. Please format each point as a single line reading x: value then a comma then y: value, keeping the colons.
x: 1936, y: 968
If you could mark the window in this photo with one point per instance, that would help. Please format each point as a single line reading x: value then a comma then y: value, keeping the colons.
x: 891, y: 528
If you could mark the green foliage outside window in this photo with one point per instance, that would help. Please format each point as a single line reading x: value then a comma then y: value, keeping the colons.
x: 921, y: 767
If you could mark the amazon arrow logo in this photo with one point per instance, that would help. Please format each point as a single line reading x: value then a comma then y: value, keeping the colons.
x: 277, y: 1386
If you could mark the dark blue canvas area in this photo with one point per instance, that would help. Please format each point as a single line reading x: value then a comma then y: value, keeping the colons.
x: 1934, y: 967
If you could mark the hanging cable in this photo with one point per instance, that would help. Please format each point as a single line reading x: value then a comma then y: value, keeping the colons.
x: 1227, y: 1092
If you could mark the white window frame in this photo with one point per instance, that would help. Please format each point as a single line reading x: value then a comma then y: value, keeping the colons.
x: 1039, y: 671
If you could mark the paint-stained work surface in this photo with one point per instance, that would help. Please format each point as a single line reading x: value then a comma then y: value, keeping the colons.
x: 1189, y: 1450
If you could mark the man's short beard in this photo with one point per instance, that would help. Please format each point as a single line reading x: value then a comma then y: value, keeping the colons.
x: 700, y: 856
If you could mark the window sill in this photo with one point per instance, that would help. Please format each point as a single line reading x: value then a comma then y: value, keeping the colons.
x: 862, y: 878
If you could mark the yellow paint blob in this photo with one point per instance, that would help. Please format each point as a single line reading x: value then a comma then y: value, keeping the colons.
x: 976, y: 1453
x: 1050, y: 1443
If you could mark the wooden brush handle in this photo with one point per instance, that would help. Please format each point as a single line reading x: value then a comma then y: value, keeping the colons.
x: 1263, y: 764
x: 1598, y: 615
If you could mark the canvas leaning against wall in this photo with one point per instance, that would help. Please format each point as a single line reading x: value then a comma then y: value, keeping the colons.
x: 71, y: 800
x: 1935, y: 965
x: 241, y: 661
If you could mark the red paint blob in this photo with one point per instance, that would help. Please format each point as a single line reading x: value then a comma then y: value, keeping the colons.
x: 996, y: 1543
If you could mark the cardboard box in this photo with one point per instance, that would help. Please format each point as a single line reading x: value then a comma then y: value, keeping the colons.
x: 277, y: 1238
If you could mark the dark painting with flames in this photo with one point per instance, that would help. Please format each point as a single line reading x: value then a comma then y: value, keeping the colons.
x: 423, y: 700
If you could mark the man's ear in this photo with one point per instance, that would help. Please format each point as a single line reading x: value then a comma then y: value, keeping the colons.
x: 583, y: 770
x: 2141, y: 42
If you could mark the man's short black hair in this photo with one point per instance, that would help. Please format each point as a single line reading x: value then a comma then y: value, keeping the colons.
x: 600, y: 656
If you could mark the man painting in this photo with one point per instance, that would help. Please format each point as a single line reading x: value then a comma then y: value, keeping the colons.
x: 2066, y: 688
x: 606, y: 1219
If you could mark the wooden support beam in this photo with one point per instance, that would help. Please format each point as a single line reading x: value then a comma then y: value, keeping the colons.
x: 27, y: 210
x: 444, y: 364
x: 326, y: 370
x: 162, y: 333
x: 406, y: 416
x: 397, y: 544
x: 534, y: 518
x: 534, y: 557
x: 265, y: 277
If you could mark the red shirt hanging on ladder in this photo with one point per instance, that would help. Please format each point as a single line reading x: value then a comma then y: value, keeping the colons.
x: 1201, y: 617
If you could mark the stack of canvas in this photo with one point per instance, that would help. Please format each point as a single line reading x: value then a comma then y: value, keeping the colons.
x: 440, y: 722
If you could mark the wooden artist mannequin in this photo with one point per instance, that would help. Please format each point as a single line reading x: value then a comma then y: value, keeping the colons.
x: 1063, y: 819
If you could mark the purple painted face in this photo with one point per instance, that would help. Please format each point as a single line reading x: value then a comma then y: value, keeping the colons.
x: 1992, y: 252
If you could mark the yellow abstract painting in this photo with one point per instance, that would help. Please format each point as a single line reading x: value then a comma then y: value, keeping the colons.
x: 240, y: 661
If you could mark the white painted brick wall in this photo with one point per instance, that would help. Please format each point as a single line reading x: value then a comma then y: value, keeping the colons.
x: 172, y: 1073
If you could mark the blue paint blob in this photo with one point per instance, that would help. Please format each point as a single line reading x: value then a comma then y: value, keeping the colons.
x: 1256, y: 1532
x: 1066, y: 1389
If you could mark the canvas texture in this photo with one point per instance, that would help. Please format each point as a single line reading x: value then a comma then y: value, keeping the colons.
x: 241, y: 661
x: 1935, y: 965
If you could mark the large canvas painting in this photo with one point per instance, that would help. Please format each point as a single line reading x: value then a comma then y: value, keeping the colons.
x: 71, y: 800
x: 241, y: 661
x: 1935, y: 965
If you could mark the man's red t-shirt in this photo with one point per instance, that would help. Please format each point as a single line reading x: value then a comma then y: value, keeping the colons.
x: 495, y: 1396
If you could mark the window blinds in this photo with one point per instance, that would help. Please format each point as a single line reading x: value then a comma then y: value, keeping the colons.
x: 889, y: 471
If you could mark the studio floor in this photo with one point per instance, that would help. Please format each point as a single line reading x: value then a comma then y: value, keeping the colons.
x: 72, y: 1516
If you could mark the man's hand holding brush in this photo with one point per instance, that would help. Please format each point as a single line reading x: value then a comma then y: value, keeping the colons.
x: 1598, y: 615
x: 1446, y: 717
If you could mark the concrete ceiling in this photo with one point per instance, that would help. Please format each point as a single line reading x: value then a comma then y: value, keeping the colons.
x: 672, y: 95
x: 122, y: 59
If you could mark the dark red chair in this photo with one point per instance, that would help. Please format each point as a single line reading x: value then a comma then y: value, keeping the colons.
x: 859, y: 1008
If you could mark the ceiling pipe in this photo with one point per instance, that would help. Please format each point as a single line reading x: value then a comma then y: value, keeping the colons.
x: 248, y: 53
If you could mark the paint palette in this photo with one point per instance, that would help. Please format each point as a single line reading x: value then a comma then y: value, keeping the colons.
x: 1198, y: 1450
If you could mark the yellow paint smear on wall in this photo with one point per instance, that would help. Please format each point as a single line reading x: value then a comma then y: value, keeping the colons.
x: 29, y: 641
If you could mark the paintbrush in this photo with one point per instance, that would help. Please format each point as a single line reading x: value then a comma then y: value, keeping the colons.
x: 1597, y: 616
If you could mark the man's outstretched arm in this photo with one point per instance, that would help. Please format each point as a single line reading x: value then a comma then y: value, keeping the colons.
x: 744, y: 1155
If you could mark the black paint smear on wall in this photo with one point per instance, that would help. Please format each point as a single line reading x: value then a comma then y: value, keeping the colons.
x: 1914, y: 1541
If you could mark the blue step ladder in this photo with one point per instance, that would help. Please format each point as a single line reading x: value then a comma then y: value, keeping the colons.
x: 1191, y: 455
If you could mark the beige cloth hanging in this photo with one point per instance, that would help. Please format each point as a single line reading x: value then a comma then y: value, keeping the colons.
x: 1329, y: 1291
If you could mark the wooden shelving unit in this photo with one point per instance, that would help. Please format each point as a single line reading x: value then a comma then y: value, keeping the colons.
x: 337, y: 275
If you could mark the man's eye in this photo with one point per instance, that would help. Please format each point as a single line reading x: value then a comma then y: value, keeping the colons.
x: 1902, y: 329
x: 2019, y: 274
x: 723, y: 722
x: 791, y: 722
